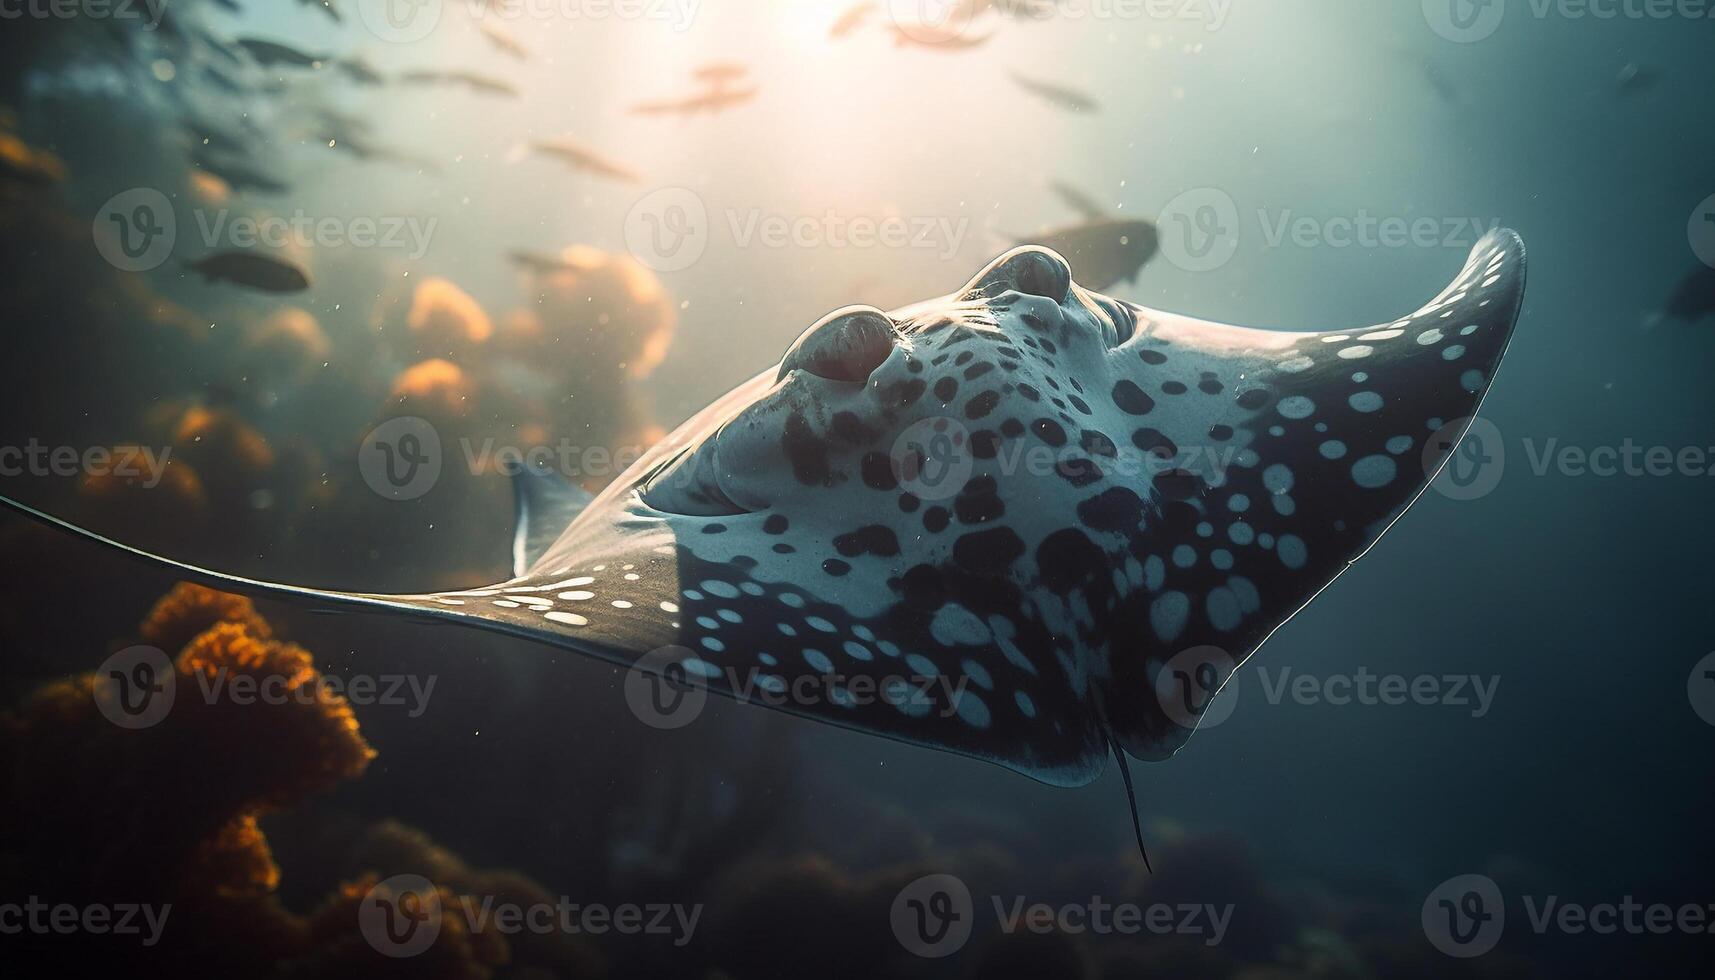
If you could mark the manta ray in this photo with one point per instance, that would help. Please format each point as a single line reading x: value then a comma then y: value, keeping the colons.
x: 1036, y: 495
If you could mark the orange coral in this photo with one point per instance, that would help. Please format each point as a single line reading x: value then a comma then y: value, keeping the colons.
x: 189, y: 609
x: 445, y: 318
x: 218, y: 433
x: 434, y: 385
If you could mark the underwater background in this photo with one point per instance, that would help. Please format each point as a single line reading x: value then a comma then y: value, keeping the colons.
x: 570, y: 223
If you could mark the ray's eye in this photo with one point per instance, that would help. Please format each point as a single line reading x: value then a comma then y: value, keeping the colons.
x: 847, y: 345
x: 1118, y: 320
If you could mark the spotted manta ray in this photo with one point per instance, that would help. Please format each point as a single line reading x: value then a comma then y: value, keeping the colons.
x: 1034, y: 494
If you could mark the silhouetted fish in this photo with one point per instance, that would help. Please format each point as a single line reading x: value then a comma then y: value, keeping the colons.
x: 710, y: 102
x: 542, y: 263
x: 1440, y: 83
x: 1069, y: 99
x: 326, y: 7
x: 851, y: 18
x: 582, y: 158
x: 1104, y: 252
x: 271, y: 53
x: 1634, y: 79
x: 359, y: 71
x: 471, y: 80
x: 782, y: 540
x: 1694, y: 297
x: 718, y: 73
x: 265, y: 273
x: 504, y: 41
x: 936, y: 38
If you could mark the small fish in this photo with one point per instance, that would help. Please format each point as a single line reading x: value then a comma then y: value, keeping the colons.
x: 270, y: 53
x: 503, y: 40
x: 711, y: 102
x: 585, y: 159
x: 1634, y: 79
x: 1105, y: 252
x: 219, y: 45
x: 936, y: 38
x: 541, y: 263
x: 719, y: 73
x: 264, y: 273
x: 471, y: 80
x: 222, y: 81
x: 1440, y: 83
x: 938, y: 594
x: 1060, y: 96
x: 359, y: 71
x: 1694, y: 297
x: 326, y: 7
x: 851, y: 18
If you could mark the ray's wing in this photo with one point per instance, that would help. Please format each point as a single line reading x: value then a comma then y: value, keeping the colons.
x: 1344, y: 430
x: 621, y: 586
